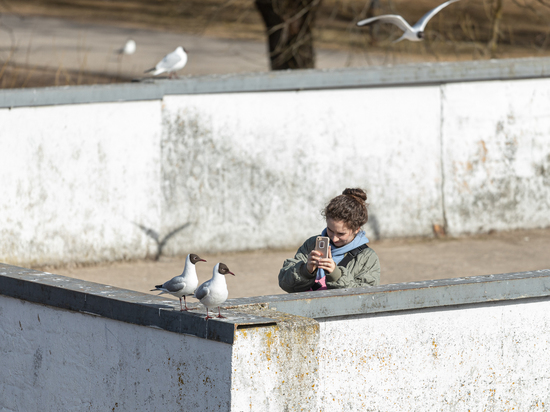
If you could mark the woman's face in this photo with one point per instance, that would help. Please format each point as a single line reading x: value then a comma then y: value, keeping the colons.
x: 339, y: 233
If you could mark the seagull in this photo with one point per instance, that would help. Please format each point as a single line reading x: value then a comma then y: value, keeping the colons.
x: 170, y: 63
x: 214, y: 292
x: 414, y: 33
x: 129, y: 48
x: 184, y: 284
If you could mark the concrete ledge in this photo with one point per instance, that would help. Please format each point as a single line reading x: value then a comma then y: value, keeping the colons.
x: 120, y: 304
x: 398, y: 75
x: 407, y: 296
x: 149, y: 310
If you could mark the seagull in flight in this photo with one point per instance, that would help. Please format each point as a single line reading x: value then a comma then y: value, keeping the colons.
x: 414, y: 33
x: 170, y: 63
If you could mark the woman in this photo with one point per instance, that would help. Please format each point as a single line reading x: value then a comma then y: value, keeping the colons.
x: 351, y: 263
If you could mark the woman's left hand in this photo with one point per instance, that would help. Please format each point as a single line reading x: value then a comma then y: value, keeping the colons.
x: 327, y: 264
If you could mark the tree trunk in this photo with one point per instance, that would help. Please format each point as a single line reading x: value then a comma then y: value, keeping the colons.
x: 496, y: 17
x: 288, y: 25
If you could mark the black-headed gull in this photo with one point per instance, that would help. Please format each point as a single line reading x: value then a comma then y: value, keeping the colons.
x: 414, y: 33
x: 170, y: 63
x: 214, y: 292
x: 184, y: 284
x: 129, y: 48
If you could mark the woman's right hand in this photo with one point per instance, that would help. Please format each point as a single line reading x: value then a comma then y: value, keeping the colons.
x: 313, y: 260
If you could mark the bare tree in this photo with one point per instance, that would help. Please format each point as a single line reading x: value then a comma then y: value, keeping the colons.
x: 496, y: 18
x: 289, y: 30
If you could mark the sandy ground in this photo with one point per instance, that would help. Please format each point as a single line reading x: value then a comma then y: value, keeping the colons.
x: 59, y: 44
x: 402, y: 260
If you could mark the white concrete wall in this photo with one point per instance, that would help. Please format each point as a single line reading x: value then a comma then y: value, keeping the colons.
x: 491, y: 357
x: 275, y: 368
x: 236, y: 171
x: 59, y: 360
x: 259, y: 167
x: 496, y: 138
x: 74, y: 180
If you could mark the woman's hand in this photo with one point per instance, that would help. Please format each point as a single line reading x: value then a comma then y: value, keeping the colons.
x: 315, y: 261
x: 327, y: 264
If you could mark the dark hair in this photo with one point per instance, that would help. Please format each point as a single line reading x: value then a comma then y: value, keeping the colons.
x: 349, y: 207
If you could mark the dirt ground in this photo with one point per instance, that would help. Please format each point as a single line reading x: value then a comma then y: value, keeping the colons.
x: 402, y: 260
x: 73, y: 42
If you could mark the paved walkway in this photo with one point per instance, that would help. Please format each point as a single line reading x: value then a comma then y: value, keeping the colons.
x: 63, y: 44
x: 402, y: 260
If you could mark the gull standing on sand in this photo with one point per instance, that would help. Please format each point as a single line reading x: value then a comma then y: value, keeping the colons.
x: 129, y: 48
x: 184, y: 284
x: 171, y: 63
x: 414, y: 33
x: 214, y: 292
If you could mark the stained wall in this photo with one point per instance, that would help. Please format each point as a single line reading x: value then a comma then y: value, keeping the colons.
x: 106, y: 173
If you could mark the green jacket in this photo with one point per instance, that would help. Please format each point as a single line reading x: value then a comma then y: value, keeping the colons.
x: 362, y: 271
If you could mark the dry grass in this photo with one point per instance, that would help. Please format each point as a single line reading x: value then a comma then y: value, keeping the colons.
x: 460, y: 32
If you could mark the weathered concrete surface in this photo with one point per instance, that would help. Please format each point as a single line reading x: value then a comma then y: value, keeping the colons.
x: 491, y: 357
x: 276, y: 368
x: 76, y: 180
x: 110, y: 352
x: 263, y: 165
x: 496, y: 155
x: 55, y: 359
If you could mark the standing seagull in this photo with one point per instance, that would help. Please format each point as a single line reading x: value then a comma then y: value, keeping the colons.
x: 214, y: 292
x: 129, y: 48
x: 171, y: 63
x: 184, y: 284
x: 414, y: 33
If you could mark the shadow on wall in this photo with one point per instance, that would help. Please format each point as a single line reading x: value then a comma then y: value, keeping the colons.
x: 155, y: 236
x: 375, y: 226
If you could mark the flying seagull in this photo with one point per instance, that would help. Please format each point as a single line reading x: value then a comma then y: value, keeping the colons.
x: 170, y: 63
x: 414, y: 33
x: 184, y: 284
x: 214, y: 292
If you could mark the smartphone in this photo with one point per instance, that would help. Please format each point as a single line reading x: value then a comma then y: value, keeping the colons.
x: 322, y: 244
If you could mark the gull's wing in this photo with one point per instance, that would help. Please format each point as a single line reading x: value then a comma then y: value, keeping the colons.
x: 389, y: 18
x: 202, y: 291
x: 169, y: 61
x: 421, y: 24
x: 173, y: 285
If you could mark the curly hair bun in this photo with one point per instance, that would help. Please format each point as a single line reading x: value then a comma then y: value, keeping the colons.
x: 358, y: 194
x: 349, y: 207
